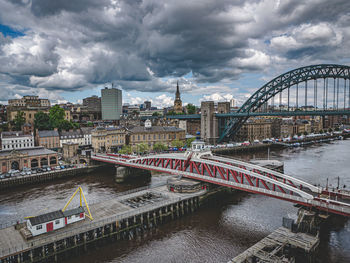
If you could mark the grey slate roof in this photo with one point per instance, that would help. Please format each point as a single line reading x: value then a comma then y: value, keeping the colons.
x: 37, y: 220
x: 86, y: 130
x: 141, y: 129
x: 31, y: 151
x: 74, y: 211
x: 43, y: 134
x: 73, y: 134
x: 10, y: 134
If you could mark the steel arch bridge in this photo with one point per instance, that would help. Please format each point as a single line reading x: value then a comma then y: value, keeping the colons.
x: 293, y: 78
x: 238, y: 175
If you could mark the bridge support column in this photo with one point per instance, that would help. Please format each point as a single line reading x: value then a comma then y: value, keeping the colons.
x: 124, y: 173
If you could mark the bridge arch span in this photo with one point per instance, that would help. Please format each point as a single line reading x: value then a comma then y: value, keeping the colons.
x: 292, y: 78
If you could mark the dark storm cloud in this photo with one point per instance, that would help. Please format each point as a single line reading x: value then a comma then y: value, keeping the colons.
x: 47, y: 7
x: 70, y: 45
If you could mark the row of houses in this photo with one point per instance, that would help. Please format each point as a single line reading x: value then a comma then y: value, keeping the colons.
x: 101, y: 138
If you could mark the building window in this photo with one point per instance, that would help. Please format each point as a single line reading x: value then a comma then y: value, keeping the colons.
x: 57, y: 222
x: 39, y: 227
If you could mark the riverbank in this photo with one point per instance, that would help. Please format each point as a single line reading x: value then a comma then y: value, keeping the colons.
x: 45, y: 176
x: 259, y: 147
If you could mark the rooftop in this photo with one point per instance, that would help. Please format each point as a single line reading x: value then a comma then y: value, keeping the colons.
x: 31, y: 151
x: 139, y: 129
x: 47, y: 133
x: 11, y: 134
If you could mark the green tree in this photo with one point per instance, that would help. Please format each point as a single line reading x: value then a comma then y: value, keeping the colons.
x: 56, y: 116
x: 19, y: 120
x: 4, y: 127
x: 157, y: 114
x: 321, y: 131
x: 159, y: 147
x: 141, y: 148
x: 177, y: 143
x: 299, y: 134
x: 189, y: 142
x: 42, y: 121
x: 191, y: 109
x: 126, y: 149
x: 330, y: 130
x: 305, y: 133
x: 337, y: 129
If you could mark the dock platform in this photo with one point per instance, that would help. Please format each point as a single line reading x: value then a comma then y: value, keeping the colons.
x: 273, y: 247
x: 122, y: 217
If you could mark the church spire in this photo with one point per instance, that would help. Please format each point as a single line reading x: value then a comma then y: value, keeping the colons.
x: 177, y: 102
x: 177, y: 91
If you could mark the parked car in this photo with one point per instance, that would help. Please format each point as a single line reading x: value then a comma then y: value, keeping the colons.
x: 62, y: 167
x: 48, y: 169
x: 2, y: 176
x: 58, y: 168
x: 34, y: 171
x: 7, y: 175
x: 23, y: 173
x: 28, y: 172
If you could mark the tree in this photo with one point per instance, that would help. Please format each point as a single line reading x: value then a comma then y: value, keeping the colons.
x: 56, y: 116
x: 191, y: 109
x: 330, y: 130
x: 177, y: 143
x: 142, y: 147
x: 157, y: 114
x: 189, y: 141
x: 159, y: 147
x: 42, y: 121
x: 126, y: 149
x: 19, y: 120
x: 321, y: 131
x: 305, y: 133
x: 337, y: 129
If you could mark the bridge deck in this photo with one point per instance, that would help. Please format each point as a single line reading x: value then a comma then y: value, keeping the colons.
x: 11, y: 240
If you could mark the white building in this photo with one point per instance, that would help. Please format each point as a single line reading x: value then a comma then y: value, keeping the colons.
x: 41, y: 224
x: 16, y: 140
x: 72, y: 136
x: 86, y: 131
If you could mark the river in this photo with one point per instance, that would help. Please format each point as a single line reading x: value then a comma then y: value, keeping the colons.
x: 216, y: 232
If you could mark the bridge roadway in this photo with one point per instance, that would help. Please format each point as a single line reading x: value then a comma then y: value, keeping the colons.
x: 240, y: 175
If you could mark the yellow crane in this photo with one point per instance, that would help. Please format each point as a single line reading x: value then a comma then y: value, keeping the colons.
x: 82, y: 197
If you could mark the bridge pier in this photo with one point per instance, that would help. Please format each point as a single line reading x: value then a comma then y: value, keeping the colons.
x: 124, y: 173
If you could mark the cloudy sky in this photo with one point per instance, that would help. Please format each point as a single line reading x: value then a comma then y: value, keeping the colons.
x: 66, y: 50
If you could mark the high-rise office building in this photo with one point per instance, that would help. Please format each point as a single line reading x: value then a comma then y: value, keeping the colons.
x: 111, y: 103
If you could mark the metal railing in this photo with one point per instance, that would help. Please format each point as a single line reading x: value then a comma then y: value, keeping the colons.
x: 73, y: 231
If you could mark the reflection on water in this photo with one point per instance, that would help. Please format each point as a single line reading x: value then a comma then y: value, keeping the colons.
x: 215, y: 233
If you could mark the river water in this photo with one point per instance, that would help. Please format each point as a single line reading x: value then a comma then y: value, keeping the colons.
x: 216, y: 232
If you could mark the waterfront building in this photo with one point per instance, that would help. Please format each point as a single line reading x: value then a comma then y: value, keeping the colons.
x: 30, y: 158
x: 150, y: 135
x: 48, y: 138
x: 111, y: 103
x: 16, y: 140
x: 255, y: 129
x: 177, y: 102
x: 108, y: 139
